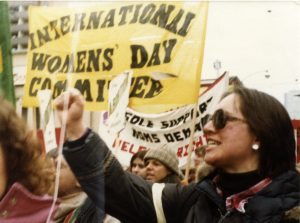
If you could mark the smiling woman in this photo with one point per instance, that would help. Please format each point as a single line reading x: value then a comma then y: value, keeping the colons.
x: 250, y: 144
x: 230, y: 139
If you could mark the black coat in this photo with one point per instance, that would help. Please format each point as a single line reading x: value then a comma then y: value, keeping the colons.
x: 129, y: 198
x: 202, y: 204
x: 89, y: 213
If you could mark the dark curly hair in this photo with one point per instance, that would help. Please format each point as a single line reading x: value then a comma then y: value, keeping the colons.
x: 23, y: 156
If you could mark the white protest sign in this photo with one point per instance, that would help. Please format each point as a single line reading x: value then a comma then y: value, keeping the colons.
x: 118, y: 99
x: 47, y: 119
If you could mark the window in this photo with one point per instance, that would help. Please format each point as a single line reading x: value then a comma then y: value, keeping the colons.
x: 19, y: 24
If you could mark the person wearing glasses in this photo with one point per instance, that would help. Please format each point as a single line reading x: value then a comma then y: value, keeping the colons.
x: 251, y: 146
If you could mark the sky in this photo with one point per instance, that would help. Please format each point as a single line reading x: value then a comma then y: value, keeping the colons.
x: 258, y: 41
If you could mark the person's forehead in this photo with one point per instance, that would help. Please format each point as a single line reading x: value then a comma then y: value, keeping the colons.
x: 138, y: 160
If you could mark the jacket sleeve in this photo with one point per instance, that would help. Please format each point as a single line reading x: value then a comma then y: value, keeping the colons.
x: 121, y: 194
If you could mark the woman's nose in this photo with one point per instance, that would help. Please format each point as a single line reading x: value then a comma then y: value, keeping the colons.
x: 149, y: 166
x: 134, y: 169
x: 208, y: 128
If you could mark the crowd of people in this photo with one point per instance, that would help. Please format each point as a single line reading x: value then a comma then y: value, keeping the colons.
x: 246, y: 172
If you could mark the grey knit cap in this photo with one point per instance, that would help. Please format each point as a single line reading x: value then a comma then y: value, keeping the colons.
x: 166, y: 156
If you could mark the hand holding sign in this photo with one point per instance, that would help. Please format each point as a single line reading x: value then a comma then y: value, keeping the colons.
x: 70, y: 107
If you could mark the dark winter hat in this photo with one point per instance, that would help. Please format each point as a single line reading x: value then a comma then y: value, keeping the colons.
x: 166, y: 156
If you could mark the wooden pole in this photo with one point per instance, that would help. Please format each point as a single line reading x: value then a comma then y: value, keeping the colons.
x: 190, y: 149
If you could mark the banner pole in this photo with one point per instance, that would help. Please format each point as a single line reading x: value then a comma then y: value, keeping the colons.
x: 190, y: 149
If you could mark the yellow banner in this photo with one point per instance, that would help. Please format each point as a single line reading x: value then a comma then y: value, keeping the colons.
x: 86, y: 47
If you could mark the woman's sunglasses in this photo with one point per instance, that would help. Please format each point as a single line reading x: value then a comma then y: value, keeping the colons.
x: 220, y: 119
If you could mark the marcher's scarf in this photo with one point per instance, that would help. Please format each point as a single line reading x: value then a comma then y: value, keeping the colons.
x: 72, y: 216
x: 238, y: 201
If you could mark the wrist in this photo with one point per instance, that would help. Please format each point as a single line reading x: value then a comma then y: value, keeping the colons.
x: 79, y: 141
x: 75, y: 132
